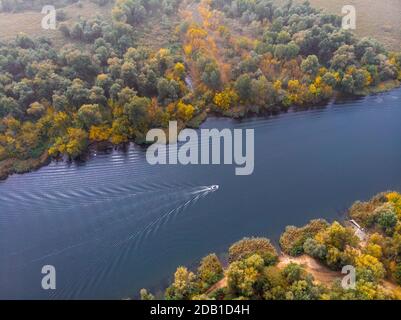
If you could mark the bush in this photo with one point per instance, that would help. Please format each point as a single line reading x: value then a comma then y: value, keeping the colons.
x: 386, y: 217
x: 293, y: 239
x: 250, y: 246
x: 315, y: 249
x: 210, y: 271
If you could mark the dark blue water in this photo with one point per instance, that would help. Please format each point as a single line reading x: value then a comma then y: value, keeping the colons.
x: 115, y: 224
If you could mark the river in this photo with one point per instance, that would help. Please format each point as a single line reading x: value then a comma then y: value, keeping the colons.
x: 115, y: 224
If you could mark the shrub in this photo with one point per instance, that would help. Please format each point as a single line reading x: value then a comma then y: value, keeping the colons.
x: 249, y: 246
x: 210, y: 271
x: 293, y: 239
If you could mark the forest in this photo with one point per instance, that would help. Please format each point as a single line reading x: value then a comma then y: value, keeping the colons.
x: 255, y: 270
x: 110, y: 83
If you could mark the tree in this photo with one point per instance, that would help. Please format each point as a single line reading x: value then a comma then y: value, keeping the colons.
x: 337, y: 236
x: 131, y: 11
x: 310, y: 65
x: 343, y: 58
x: 120, y: 130
x: 211, y: 76
x: 96, y: 96
x: 397, y: 273
x: 315, y: 249
x: 330, y: 79
x: 286, y: 51
x: 72, y: 144
x: 89, y: 115
x: 387, y: 220
x: 168, y: 91
x: 179, y: 71
x: 63, y: 28
x: 249, y: 246
x: 145, y: 295
x: 137, y: 111
x: 263, y: 93
x: 36, y: 110
x: 283, y: 37
x: 183, y: 287
x: 371, y: 265
x: 303, y: 290
x: 126, y: 95
x: 275, y: 284
x: 82, y: 64
x: 226, y: 99
x: 76, y: 32
x: 8, y: 105
x: 293, y: 239
x: 24, y: 41
x: 243, y: 275
x: 210, y: 271
x: 243, y: 87
x: 99, y: 133
x: 293, y: 272
x: 362, y: 78
x: 77, y: 94
x: 185, y: 111
x: 348, y: 83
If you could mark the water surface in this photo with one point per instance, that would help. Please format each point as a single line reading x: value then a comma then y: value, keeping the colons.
x: 115, y: 224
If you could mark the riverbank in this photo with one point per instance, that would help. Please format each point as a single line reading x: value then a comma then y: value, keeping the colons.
x: 308, y: 165
x: 380, y: 88
x: 16, y: 166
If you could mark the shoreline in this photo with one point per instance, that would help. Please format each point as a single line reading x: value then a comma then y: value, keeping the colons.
x: 12, y: 166
x: 293, y: 249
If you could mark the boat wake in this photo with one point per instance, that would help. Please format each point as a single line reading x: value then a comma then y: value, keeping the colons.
x: 107, y: 229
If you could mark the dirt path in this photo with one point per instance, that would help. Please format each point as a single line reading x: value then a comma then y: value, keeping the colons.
x: 221, y: 284
x: 321, y: 273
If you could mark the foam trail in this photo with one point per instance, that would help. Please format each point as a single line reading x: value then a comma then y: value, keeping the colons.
x: 198, y: 193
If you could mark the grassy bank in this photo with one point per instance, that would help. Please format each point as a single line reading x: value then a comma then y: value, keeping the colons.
x: 11, y: 166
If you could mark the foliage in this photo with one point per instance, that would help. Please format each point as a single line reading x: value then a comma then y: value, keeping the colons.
x: 210, y: 271
x: 114, y: 86
x: 293, y: 239
x: 183, y: 287
x: 249, y: 246
x: 380, y: 215
x: 249, y: 275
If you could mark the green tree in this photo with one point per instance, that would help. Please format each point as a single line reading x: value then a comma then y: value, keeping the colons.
x: 89, y: 115
x: 243, y: 276
x: 387, y: 220
x: 243, y: 87
x: 210, y: 271
x: 310, y: 65
x: 137, y: 111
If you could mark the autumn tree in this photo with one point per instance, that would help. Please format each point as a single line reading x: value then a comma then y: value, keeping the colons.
x: 210, y: 271
x: 183, y: 287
